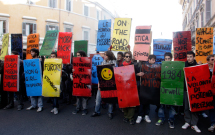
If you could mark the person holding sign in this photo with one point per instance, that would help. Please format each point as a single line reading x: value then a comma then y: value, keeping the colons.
x: 190, y: 117
x: 120, y: 58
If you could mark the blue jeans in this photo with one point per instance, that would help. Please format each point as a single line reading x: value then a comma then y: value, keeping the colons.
x: 161, y: 114
x: 55, y: 102
x: 98, y: 104
x: 37, y: 100
x: 144, y: 109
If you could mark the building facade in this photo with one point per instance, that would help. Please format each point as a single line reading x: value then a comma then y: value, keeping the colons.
x: 197, y: 14
x: 77, y: 16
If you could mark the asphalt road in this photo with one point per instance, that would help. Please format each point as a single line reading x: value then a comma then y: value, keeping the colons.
x: 13, y: 122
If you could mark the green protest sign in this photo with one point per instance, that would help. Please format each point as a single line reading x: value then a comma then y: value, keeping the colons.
x: 172, y: 83
x: 80, y: 45
x: 49, y: 42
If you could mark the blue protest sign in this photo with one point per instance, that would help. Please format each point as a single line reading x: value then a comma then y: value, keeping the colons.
x: 103, y: 35
x: 16, y: 44
x: 96, y: 60
x: 33, y: 77
x: 160, y: 47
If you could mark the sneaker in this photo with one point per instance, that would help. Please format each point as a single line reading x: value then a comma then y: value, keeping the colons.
x: 110, y: 116
x: 196, y: 129
x: 84, y: 112
x: 39, y: 109
x: 147, y: 119
x: 211, y: 128
x: 52, y: 111
x: 19, y: 107
x: 171, y: 124
x: 185, y: 126
x: 30, y: 108
x: 75, y: 111
x: 125, y: 120
x: 9, y: 107
x: 55, y: 111
x: 139, y: 119
x: 95, y: 114
x: 159, y: 122
x: 132, y: 122
x: 204, y: 115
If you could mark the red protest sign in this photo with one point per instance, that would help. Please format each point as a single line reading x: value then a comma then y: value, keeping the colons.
x: 11, y: 73
x: 82, y: 76
x: 143, y: 35
x: 199, y: 88
x: 213, y: 80
x: 64, y: 46
x: 181, y: 44
x: 126, y: 86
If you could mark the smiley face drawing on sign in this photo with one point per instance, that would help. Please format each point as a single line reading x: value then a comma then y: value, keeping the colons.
x: 106, y: 74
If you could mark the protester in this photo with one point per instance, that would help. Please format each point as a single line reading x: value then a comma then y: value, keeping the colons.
x: 120, y: 58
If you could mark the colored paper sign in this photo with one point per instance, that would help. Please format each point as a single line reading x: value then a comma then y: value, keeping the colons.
x: 5, y: 42
x: 106, y: 81
x: 181, y: 45
x: 126, y: 86
x: 32, y: 42
x: 141, y: 52
x: 96, y: 60
x: 16, y: 44
x: 33, y: 77
x: 103, y: 35
x: 49, y: 42
x: 82, y: 76
x: 198, y: 85
x: 11, y: 73
x: 160, y: 47
x: 213, y: 80
x: 52, y: 77
x: 150, y: 84
x: 204, y: 43
x: 143, y: 35
x: 64, y: 46
x: 80, y: 45
x: 172, y: 83
x: 121, y: 34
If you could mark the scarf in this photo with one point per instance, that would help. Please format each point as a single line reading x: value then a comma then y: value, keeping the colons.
x: 126, y: 64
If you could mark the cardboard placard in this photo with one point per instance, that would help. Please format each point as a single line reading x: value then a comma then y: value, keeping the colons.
x: 141, y: 52
x: 143, y: 35
x: 160, y: 47
x: 172, y: 83
x: 82, y: 76
x: 80, y: 45
x: 204, y: 43
x: 11, y: 73
x: 198, y: 84
x: 96, y: 60
x: 103, y: 35
x: 126, y: 86
x: 16, y: 44
x: 121, y: 34
x: 5, y: 43
x: 33, y: 77
x: 32, y: 42
x: 52, y: 77
x: 181, y: 45
x: 49, y: 42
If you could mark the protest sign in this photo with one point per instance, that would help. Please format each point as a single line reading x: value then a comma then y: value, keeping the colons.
x: 49, y: 42
x: 126, y: 86
x: 16, y: 44
x: 103, y: 35
x: 64, y: 46
x: 80, y: 45
x: 121, y: 34
x: 204, y: 43
x: 96, y: 60
x: 181, y: 45
x: 33, y: 77
x: 82, y: 76
x: 214, y: 45
x: 172, y: 83
x: 52, y: 77
x: 32, y: 42
x: 11, y: 73
x: 198, y: 85
x: 5, y: 43
x: 150, y: 84
x: 141, y: 52
x: 160, y: 47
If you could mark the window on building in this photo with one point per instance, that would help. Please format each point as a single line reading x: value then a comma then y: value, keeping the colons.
x: 86, y: 35
x: 208, y: 10
x: 51, y: 27
x: 69, y: 5
x: 2, y: 27
x: 202, y: 19
x: 68, y: 29
x: 53, y: 3
x: 98, y: 15
x: 28, y: 28
x: 86, y: 10
x: 96, y: 37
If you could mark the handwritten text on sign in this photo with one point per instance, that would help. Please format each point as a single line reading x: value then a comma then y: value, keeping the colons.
x: 96, y: 60
x: 4, y: 50
x: 199, y: 88
x: 121, y: 34
x: 16, y: 44
x: 32, y: 42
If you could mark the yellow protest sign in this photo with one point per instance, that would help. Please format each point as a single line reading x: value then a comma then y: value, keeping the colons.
x: 5, y: 42
x: 204, y: 43
x: 52, y: 77
x: 121, y: 34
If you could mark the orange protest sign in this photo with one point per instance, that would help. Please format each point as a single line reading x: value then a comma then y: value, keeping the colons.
x: 32, y: 42
x: 141, y: 52
x: 143, y: 35
x: 204, y: 43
